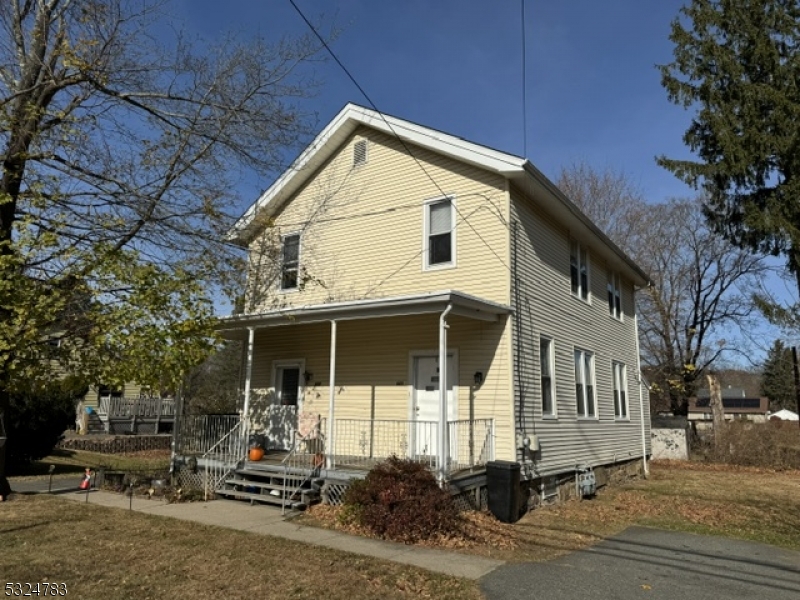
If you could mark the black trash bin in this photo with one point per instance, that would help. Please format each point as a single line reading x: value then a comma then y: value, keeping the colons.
x: 502, y: 480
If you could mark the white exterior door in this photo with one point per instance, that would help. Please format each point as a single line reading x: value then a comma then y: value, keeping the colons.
x: 287, y: 404
x: 425, y: 404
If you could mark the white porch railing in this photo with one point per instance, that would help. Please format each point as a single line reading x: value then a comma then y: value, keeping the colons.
x: 222, y: 458
x: 361, y: 443
x: 198, y: 433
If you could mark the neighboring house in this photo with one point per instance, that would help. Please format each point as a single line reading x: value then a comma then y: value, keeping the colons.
x: 783, y: 414
x: 734, y: 404
x: 403, y: 248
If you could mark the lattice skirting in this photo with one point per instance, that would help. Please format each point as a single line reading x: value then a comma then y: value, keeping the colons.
x: 475, y: 499
x: 333, y: 492
x: 190, y: 480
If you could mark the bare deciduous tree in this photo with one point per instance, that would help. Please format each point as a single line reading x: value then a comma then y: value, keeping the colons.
x: 700, y: 298
x: 120, y: 151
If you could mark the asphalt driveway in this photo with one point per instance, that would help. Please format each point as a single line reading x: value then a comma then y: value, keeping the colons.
x: 652, y: 564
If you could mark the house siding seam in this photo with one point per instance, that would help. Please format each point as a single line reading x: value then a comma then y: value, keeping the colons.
x: 542, y: 298
x: 365, y: 239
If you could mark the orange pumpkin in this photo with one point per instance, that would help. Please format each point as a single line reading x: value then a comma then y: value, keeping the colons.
x: 256, y: 454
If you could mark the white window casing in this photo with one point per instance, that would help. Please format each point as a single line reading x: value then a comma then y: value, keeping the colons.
x: 290, y: 262
x: 620, y: 375
x: 439, y: 234
x: 579, y: 270
x: 547, y: 377
x: 585, y: 396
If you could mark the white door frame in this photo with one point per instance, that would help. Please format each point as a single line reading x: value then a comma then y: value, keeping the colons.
x: 276, y: 408
x: 452, y: 354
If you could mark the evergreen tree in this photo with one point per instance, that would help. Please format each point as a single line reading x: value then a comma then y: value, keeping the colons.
x: 738, y: 63
x: 777, y: 381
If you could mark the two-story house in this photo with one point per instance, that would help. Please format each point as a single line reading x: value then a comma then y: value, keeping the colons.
x: 402, y: 248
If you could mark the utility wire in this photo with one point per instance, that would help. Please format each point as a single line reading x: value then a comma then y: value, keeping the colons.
x: 396, y: 135
x: 524, y: 87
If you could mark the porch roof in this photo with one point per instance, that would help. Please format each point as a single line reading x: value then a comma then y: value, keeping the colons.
x: 464, y: 305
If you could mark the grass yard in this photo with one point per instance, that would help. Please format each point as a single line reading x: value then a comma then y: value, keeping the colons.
x: 103, y: 553
x: 70, y: 462
x: 739, y: 502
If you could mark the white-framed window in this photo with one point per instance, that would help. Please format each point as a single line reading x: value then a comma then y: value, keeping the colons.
x: 290, y: 261
x: 360, y: 153
x: 547, y: 376
x: 288, y: 386
x: 614, y: 294
x: 440, y: 236
x: 620, y: 375
x: 584, y: 384
x: 579, y: 270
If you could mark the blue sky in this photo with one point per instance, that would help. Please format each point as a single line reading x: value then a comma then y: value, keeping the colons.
x: 593, y: 92
x: 593, y: 89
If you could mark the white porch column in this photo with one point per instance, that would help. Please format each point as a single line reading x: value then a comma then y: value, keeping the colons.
x: 443, y: 444
x: 248, y: 375
x: 330, y: 445
x: 641, y: 402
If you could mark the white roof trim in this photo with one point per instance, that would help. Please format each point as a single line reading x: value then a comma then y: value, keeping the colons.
x: 464, y: 305
x: 343, y: 124
x: 507, y: 165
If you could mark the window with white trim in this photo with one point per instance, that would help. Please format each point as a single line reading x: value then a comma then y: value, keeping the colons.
x: 439, y: 234
x: 290, y: 261
x: 579, y: 270
x: 547, y: 377
x: 287, y: 384
x: 584, y: 384
x: 614, y: 294
x: 620, y: 375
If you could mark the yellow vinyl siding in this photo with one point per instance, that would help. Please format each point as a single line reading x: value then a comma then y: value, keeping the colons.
x: 373, y: 377
x: 362, y: 227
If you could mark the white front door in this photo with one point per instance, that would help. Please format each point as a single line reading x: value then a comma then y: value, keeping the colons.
x: 287, y: 404
x: 425, y: 404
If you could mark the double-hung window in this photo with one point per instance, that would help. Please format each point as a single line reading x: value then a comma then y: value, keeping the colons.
x: 547, y: 377
x: 290, y: 261
x: 619, y: 373
x: 584, y: 384
x: 439, y: 233
x: 614, y: 295
x: 579, y: 270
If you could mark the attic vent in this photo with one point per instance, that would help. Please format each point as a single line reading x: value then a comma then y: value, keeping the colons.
x: 359, y: 153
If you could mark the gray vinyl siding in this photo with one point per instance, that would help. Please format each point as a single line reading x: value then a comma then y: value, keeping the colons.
x: 544, y: 305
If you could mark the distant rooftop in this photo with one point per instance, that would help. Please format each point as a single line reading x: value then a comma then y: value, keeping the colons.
x: 728, y: 392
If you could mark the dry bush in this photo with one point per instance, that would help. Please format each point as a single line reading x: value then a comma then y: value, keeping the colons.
x: 400, y: 500
x: 772, y: 445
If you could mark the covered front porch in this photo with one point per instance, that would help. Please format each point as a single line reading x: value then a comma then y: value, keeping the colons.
x: 342, y: 386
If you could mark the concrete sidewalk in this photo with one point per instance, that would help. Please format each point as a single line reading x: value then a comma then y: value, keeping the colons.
x: 267, y: 520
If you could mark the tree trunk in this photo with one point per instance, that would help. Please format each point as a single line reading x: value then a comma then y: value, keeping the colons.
x: 717, y: 410
x: 5, y: 404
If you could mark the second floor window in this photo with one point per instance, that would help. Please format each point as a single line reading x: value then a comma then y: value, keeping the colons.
x: 439, y: 233
x: 614, y: 295
x: 579, y: 270
x: 290, y: 261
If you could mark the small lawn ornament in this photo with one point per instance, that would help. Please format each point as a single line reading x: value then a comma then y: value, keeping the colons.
x: 86, y: 483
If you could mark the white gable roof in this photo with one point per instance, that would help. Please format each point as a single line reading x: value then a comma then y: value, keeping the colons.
x: 512, y: 167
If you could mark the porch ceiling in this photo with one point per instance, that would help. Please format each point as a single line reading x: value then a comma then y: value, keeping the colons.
x: 464, y: 305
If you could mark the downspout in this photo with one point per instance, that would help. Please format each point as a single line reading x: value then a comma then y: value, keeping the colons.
x: 248, y: 376
x: 443, y: 327
x: 329, y: 450
x: 641, y: 403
